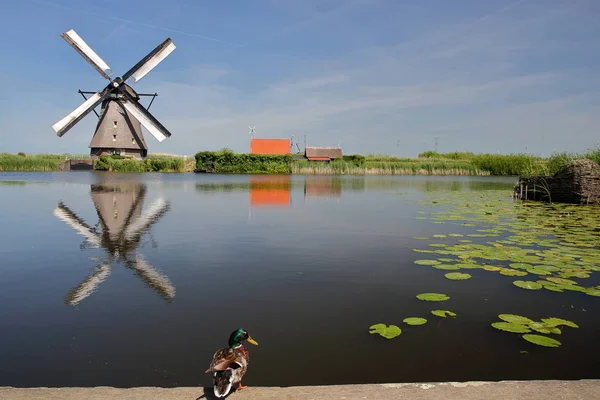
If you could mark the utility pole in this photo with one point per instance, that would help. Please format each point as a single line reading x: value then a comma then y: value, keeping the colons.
x: 436, y: 143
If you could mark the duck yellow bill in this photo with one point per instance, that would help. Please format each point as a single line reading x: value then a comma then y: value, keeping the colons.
x: 252, y: 341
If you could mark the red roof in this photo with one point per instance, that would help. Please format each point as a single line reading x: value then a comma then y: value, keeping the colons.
x: 270, y: 146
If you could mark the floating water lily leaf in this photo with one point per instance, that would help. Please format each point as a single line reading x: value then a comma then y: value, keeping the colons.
x: 561, y: 281
x: 491, y: 268
x: 457, y: 276
x: 432, y: 297
x: 543, y: 328
x: 529, y: 285
x: 512, y: 272
x: 414, y: 321
x: 447, y: 267
x: 593, y: 292
x: 541, y: 340
x: 455, y: 235
x: 559, y: 321
x: 439, y: 236
x: 511, y: 327
x: 515, y: 319
x: 421, y: 238
x: 427, y: 262
x: 443, y: 313
x: 438, y: 245
x: 388, y: 332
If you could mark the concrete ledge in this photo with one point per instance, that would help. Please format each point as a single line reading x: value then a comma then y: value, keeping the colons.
x: 505, y: 390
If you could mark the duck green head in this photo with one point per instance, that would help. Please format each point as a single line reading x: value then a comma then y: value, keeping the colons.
x: 238, y: 336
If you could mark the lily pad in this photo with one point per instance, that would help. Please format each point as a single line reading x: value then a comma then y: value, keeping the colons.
x: 516, y: 319
x: 529, y: 285
x: 443, y: 313
x: 543, y: 328
x: 593, y: 292
x: 414, y: 321
x: 511, y: 327
x: 561, y: 281
x: 541, y: 340
x: 457, y: 276
x: 388, y: 332
x: 491, y: 268
x: 559, y: 321
x: 427, y: 262
x: 512, y: 272
x: 432, y: 297
x: 421, y: 238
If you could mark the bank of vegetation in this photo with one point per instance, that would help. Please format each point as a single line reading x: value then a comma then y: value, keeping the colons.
x: 227, y: 161
x: 51, y: 162
x: 34, y: 162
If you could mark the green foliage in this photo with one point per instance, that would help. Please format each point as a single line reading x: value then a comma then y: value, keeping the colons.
x: 150, y: 164
x: 443, y: 313
x: 414, y: 321
x: 388, y: 332
x: 355, y: 159
x: 511, y: 327
x: 541, y: 340
x: 457, y: 276
x: 31, y: 162
x: 226, y: 161
x: 432, y: 297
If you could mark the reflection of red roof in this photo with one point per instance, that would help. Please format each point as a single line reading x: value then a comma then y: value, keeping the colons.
x: 270, y: 191
x: 270, y: 146
x: 319, y: 158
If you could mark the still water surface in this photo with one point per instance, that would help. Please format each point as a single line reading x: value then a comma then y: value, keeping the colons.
x: 136, y: 279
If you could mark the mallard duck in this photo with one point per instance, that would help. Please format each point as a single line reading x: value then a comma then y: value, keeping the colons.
x: 229, y: 364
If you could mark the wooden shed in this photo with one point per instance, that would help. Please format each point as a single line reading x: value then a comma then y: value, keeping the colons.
x: 269, y: 146
x: 322, y: 153
x: 577, y: 182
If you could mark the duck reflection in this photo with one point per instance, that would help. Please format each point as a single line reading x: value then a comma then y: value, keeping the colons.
x: 123, y: 225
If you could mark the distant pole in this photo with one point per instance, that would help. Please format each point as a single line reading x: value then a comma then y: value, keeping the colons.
x: 305, y: 142
x: 436, y: 143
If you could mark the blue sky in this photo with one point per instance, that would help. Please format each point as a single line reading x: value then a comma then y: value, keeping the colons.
x: 376, y: 76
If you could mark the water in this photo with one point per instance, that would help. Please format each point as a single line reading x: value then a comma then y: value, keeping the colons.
x: 305, y: 264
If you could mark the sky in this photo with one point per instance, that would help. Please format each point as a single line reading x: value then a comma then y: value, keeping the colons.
x: 374, y: 76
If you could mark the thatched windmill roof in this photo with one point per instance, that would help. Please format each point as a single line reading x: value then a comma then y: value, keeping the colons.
x: 576, y: 182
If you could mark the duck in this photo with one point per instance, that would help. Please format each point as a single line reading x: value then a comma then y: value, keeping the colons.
x: 229, y: 364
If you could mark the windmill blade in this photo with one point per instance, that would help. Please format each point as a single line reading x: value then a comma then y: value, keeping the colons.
x: 62, y: 126
x: 65, y: 214
x: 86, y: 52
x: 153, y: 277
x: 153, y: 214
x: 146, y: 64
x: 146, y: 119
x: 89, y: 285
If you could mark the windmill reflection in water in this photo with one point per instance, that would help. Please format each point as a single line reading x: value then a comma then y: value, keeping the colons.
x: 119, y: 208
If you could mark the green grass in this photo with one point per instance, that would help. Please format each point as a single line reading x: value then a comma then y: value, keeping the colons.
x: 150, y: 164
x: 34, y: 162
x: 228, y: 162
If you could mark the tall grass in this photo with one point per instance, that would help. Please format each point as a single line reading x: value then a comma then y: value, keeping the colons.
x: 150, y: 164
x: 31, y: 162
x: 409, y: 167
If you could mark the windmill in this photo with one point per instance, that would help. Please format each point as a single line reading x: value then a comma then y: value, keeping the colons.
x: 252, y: 132
x: 119, y: 209
x: 119, y: 128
